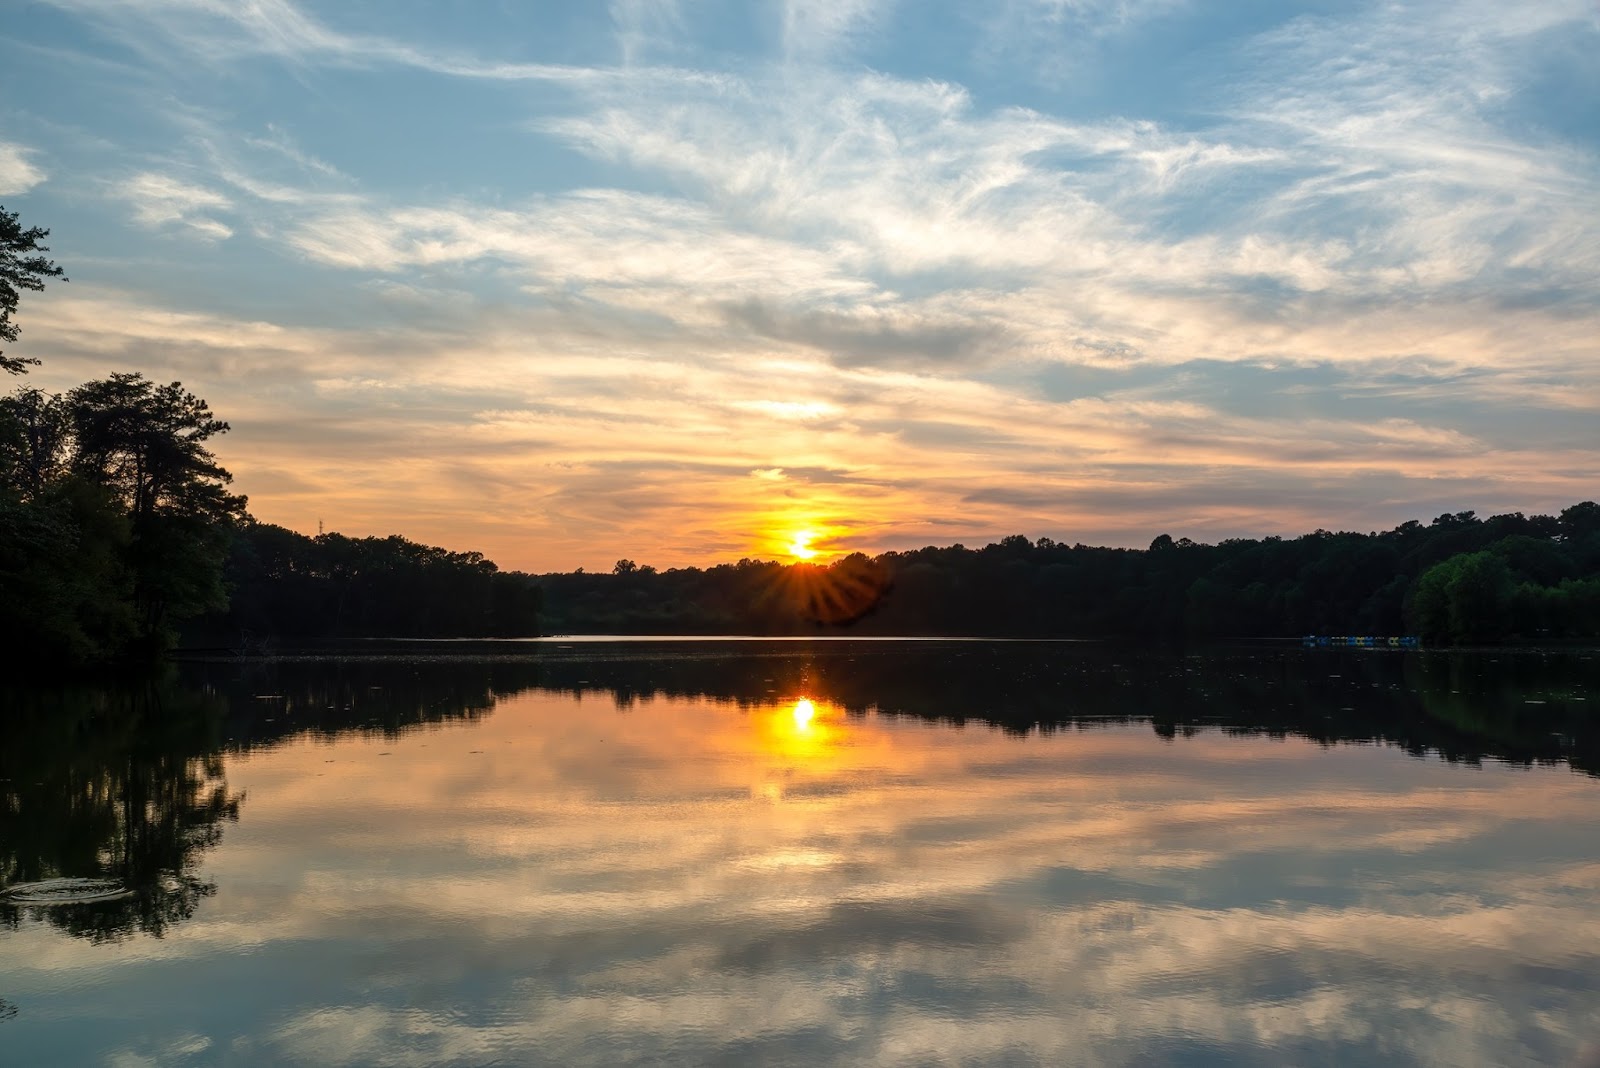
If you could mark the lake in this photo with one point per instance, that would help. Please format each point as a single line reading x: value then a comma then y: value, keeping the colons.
x: 854, y: 853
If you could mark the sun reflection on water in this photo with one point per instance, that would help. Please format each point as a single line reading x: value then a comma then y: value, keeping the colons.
x: 801, y: 737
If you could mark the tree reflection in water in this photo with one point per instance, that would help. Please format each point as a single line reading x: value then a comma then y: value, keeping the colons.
x: 128, y: 783
x: 120, y: 784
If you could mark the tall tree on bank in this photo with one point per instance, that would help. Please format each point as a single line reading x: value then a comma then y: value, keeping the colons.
x: 22, y: 266
x: 115, y: 520
x: 146, y: 445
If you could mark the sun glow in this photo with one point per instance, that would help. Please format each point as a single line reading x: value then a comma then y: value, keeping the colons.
x: 804, y: 711
x: 800, y: 547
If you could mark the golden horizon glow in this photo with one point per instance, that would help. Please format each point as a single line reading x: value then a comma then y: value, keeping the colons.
x: 804, y: 711
x: 800, y: 546
x: 895, y: 309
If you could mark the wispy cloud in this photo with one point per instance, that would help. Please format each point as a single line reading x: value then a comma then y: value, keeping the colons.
x: 18, y: 173
x: 814, y: 28
x: 645, y: 27
x: 219, y: 33
x: 278, y: 141
x: 1052, y: 40
x: 594, y: 445
x: 161, y: 201
x: 591, y: 292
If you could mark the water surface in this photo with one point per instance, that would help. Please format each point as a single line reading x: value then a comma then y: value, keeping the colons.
x: 797, y: 853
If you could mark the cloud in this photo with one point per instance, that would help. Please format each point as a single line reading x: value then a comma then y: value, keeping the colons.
x: 644, y: 26
x: 1053, y: 42
x: 220, y: 33
x: 1112, y: 230
x: 1308, y: 197
x: 161, y: 201
x: 623, y: 245
x: 814, y: 28
x: 887, y: 334
x: 1321, y: 261
x: 17, y: 173
x: 528, y: 436
x: 278, y: 141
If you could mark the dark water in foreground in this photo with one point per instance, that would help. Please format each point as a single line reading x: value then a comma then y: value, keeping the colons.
x: 874, y: 853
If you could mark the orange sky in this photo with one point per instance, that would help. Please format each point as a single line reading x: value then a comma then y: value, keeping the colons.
x: 642, y: 281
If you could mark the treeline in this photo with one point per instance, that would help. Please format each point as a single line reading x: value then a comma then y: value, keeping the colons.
x: 115, y: 519
x: 117, y: 531
x: 287, y: 585
x: 118, y: 536
x: 1458, y: 579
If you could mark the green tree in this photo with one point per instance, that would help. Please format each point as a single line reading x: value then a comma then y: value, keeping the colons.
x: 22, y: 266
x: 146, y: 445
x: 1467, y: 598
x: 1480, y: 597
x: 35, y: 432
x: 1580, y: 521
x: 65, y: 592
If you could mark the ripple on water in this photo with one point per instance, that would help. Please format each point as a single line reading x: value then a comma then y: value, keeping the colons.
x: 65, y: 892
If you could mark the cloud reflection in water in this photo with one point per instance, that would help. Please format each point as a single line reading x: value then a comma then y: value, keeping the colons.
x: 702, y: 881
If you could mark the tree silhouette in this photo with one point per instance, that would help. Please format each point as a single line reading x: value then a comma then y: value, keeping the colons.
x: 22, y: 266
x: 146, y: 444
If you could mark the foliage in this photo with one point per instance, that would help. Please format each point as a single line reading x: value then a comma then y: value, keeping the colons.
x: 145, y: 444
x: 1508, y: 577
x: 22, y: 266
x: 66, y: 591
x: 114, y: 518
x: 117, y: 527
x: 288, y: 585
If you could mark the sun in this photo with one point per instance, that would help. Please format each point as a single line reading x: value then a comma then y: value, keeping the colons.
x: 800, y: 547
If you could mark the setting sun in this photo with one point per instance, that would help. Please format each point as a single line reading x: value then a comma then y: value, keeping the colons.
x: 804, y: 710
x: 800, y: 548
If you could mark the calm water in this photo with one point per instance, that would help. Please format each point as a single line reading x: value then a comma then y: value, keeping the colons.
x: 765, y: 853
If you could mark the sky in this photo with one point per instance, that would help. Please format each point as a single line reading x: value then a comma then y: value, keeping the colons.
x: 674, y: 280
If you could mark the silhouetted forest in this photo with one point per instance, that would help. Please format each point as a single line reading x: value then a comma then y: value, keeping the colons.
x: 118, y: 534
x: 287, y: 585
x: 117, y: 530
x: 1459, y: 579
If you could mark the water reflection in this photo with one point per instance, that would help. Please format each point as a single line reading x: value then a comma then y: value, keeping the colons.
x: 129, y: 784
x: 844, y: 855
x: 125, y: 787
x: 1520, y: 707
